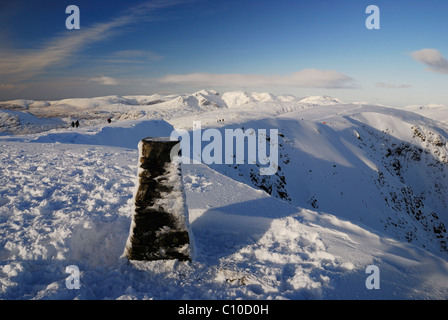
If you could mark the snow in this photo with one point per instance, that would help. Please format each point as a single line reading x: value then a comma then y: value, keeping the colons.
x: 21, y: 122
x: 357, y: 185
x: 321, y: 100
x: 239, y: 98
x: 433, y: 111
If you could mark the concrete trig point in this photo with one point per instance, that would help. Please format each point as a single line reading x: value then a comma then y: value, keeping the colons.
x: 159, y: 228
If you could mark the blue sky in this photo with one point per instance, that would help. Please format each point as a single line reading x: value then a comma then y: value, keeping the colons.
x: 319, y: 47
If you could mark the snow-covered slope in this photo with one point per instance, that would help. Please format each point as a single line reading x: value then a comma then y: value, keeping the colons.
x: 95, y: 111
x: 382, y: 167
x: 433, y: 111
x: 321, y: 100
x: 357, y: 185
x: 23, y: 122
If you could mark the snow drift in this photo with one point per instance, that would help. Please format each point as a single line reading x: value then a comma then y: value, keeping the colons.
x: 357, y: 185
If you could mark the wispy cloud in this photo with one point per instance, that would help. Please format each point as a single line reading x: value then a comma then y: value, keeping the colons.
x: 134, y: 57
x: 392, y: 86
x: 11, y: 87
x: 105, y: 81
x: 307, y: 78
x: 137, y: 54
x: 433, y: 59
x: 22, y: 64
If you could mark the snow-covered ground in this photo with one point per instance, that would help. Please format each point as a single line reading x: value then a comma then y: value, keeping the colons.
x: 357, y: 185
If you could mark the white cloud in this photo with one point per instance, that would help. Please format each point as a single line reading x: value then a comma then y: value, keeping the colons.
x: 105, y: 81
x: 307, y: 78
x: 433, y: 59
x: 392, y: 86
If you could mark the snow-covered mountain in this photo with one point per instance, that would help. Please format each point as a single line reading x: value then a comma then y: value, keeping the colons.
x: 382, y: 167
x: 434, y: 111
x: 356, y: 185
x: 321, y: 100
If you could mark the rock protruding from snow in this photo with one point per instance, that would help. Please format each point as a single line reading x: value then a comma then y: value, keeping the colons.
x: 159, y: 229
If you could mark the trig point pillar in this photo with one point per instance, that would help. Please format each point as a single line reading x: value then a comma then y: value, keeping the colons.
x: 159, y: 229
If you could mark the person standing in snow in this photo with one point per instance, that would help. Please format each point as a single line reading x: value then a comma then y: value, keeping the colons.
x: 73, y: 124
x: 77, y: 123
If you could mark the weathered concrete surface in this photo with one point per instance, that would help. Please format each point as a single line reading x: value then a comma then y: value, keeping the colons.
x: 159, y: 229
